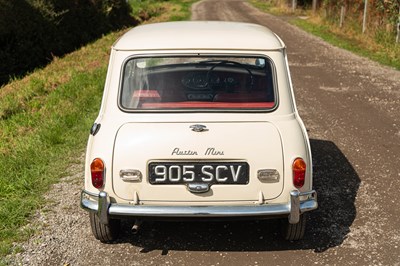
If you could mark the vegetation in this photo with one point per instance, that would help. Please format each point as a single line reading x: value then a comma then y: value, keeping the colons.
x: 44, y: 124
x: 32, y: 32
x: 379, y: 47
x: 156, y: 10
x: 381, y: 14
x: 376, y: 43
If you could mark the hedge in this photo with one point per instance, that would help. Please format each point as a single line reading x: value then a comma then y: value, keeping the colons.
x: 32, y: 32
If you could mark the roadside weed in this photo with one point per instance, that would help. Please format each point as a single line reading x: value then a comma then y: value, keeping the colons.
x: 45, y: 119
x: 379, y: 45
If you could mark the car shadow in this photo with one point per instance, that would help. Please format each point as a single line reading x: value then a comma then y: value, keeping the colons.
x: 336, y: 182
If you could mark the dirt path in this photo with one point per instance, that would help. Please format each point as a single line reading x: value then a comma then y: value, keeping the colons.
x: 351, y: 107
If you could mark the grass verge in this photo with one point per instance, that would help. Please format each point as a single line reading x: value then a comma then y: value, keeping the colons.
x: 44, y: 124
x: 274, y: 8
x: 150, y: 11
x: 379, y: 46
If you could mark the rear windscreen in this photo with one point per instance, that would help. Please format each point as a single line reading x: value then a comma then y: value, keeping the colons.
x: 175, y: 83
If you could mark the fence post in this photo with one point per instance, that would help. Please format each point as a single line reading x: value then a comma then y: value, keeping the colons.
x: 342, y: 10
x: 314, y: 6
x: 398, y: 29
x: 365, y: 16
x: 398, y: 32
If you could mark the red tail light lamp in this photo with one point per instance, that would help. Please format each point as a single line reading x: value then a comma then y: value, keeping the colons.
x: 299, y: 172
x: 97, y: 171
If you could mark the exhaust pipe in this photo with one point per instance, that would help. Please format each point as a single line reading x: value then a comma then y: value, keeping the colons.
x: 136, y: 226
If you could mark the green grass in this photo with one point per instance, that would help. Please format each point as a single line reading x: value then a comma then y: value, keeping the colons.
x: 43, y: 128
x: 266, y: 6
x: 145, y: 9
x: 323, y: 31
x: 166, y: 10
x: 379, y: 46
x: 44, y: 124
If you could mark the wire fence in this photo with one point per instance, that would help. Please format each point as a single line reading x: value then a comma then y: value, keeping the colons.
x: 366, y: 16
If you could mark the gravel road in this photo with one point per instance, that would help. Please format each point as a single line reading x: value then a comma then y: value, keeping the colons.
x: 351, y: 108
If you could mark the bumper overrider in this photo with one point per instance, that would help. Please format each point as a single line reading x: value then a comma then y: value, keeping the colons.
x: 101, y: 204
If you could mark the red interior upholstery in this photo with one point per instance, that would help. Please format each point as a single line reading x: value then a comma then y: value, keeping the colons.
x: 176, y: 105
x: 241, y: 97
x: 146, y: 95
x: 150, y: 99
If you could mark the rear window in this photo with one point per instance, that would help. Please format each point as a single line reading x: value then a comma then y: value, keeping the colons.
x: 211, y: 83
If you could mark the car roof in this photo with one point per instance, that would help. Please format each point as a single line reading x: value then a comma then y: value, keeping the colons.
x: 199, y: 35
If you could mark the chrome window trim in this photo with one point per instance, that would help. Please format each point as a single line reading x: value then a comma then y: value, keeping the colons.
x: 151, y: 55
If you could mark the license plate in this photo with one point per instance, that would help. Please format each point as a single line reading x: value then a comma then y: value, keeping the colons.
x: 195, y: 172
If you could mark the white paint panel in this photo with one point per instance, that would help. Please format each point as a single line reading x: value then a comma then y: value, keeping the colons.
x: 199, y: 35
x: 257, y: 143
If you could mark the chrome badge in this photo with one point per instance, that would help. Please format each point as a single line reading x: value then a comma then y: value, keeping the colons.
x: 198, y: 128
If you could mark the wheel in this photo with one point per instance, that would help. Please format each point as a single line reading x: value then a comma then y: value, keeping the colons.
x: 106, y: 233
x: 293, y: 232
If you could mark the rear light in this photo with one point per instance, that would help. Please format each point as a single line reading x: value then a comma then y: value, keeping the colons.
x: 299, y: 172
x: 97, y: 172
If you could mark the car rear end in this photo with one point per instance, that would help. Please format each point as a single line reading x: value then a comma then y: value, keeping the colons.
x: 198, y: 134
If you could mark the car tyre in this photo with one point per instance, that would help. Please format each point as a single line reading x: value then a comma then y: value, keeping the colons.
x: 293, y: 232
x: 106, y: 233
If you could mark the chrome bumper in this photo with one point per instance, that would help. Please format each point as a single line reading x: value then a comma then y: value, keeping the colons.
x: 101, y: 204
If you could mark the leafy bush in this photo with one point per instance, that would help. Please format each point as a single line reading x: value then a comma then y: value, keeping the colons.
x: 32, y: 32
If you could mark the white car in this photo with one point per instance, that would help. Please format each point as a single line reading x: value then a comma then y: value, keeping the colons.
x: 198, y: 120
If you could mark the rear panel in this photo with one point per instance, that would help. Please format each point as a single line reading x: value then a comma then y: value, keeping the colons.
x: 225, y: 155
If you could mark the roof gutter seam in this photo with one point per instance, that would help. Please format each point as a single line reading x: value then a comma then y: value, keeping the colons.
x: 200, y: 49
